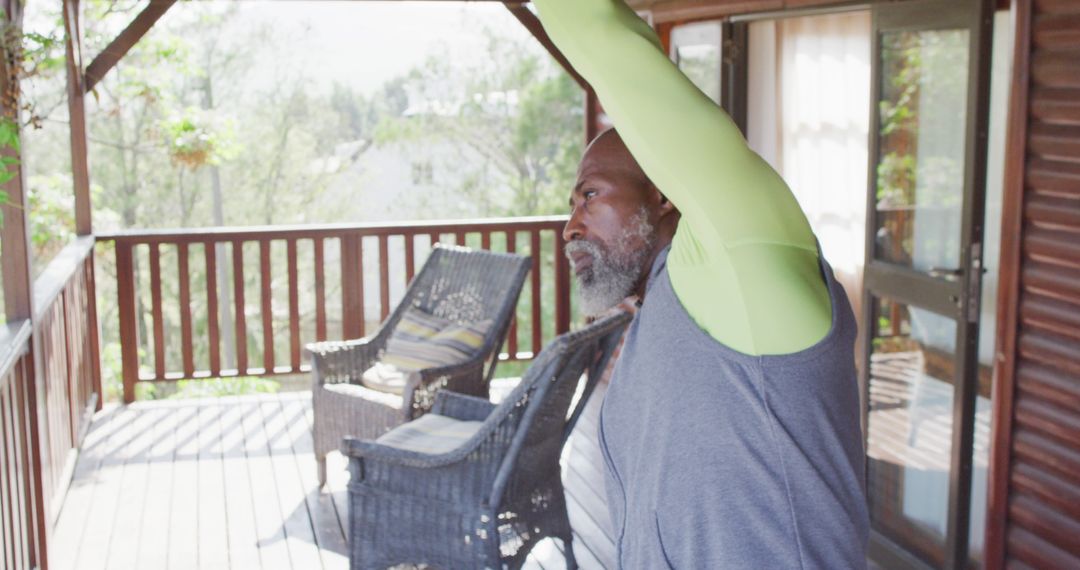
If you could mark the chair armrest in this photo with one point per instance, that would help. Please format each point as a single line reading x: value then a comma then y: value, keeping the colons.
x: 495, y: 433
x: 372, y: 451
x: 464, y: 378
x: 461, y: 406
x: 342, y: 361
x: 470, y: 468
x: 468, y: 471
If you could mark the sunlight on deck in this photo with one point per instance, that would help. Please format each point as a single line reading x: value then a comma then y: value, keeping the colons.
x: 231, y: 483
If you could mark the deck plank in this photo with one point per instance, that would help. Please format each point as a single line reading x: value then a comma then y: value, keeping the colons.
x: 95, y: 547
x: 212, y: 521
x: 597, y: 548
x: 230, y: 483
x: 75, y: 514
x: 273, y: 552
x: 153, y: 546
x: 299, y: 535
x: 183, y: 550
x: 239, y: 504
x: 329, y: 532
x: 108, y: 470
x: 127, y: 530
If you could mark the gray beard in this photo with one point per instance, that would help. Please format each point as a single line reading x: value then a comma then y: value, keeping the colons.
x: 616, y: 269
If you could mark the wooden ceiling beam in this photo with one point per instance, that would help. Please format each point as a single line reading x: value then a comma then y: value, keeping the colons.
x: 533, y: 25
x: 125, y: 40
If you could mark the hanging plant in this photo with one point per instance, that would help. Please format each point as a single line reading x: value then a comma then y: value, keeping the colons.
x: 193, y: 142
x: 189, y: 144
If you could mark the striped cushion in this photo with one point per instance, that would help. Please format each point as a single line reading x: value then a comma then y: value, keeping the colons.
x: 430, y: 433
x: 422, y: 340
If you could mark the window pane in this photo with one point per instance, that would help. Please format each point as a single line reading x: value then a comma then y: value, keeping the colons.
x: 696, y: 48
x: 912, y: 374
x: 922, y: 126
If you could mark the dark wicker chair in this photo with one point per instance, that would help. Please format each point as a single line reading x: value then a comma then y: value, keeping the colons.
x: 487, y: 501
x: 455, y: 283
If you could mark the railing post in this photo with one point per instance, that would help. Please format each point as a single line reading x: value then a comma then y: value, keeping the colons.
x: 562, y: 285
x: 294, y: 305
x: 384, y: 277
x: 512, y: 338
x: 95, y: 330
x: 352, y: 287
x: 266, y: 297
x: 320, y: 290
x: 535, y: 252
x: 129, y: 338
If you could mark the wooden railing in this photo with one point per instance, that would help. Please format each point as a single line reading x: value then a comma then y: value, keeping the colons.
x: 20, y: 500
x: 65, y: 339
x: 186, y: 296
x: 50, y: 384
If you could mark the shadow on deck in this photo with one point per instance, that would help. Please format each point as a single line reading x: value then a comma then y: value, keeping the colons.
x: 231, y: 483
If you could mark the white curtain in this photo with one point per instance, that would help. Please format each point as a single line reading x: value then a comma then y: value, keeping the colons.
x: 808, y: 115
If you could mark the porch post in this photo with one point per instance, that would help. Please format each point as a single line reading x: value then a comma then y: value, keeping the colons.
x: 16, y: 263
x: 76, y: 91
x: 15, y: 249
x: 80, y: 174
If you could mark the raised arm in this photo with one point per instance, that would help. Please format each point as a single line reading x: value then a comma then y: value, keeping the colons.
x: 744, y: 261
x: 687, y: 145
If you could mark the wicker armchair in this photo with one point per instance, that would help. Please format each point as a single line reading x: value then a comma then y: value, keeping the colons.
x: 491, y: 496
x: 455, y: 283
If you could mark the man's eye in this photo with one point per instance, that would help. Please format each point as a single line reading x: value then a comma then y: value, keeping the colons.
x: 589, y: 194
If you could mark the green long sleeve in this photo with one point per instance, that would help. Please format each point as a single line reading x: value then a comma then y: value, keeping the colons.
x: 744, y: 260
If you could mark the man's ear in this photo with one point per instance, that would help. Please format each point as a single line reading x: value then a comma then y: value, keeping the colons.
x: 665, y: 207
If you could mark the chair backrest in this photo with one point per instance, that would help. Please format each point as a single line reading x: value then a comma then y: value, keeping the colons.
x: 545, y: 397
x: 467, y: 286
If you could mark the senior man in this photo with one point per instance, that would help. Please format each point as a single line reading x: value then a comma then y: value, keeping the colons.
x: 730, y: 432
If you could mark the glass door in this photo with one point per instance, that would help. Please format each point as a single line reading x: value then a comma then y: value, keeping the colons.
x: 922, y: 276
x: 713, y: 55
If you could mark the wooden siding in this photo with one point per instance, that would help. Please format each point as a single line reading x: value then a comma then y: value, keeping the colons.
x: 1035, y: 471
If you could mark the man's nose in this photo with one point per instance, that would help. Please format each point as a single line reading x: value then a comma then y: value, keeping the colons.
x: 573, y: 229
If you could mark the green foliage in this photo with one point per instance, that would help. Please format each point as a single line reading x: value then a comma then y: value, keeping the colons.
x: 9, y: 165
x: 515, y: 118
x: 52, y: 213
x: 9, y: 134
x: 896, y: 179
x: 193, y: 143
x: 43, y: 53
x: 188, y: 130
x: 111, y: 369
x: 218, y: 387
x: 911, y: 61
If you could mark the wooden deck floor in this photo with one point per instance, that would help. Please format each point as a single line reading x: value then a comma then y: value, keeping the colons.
x: 231, y: 483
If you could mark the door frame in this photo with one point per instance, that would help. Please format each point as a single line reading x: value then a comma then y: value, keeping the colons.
x: 957, y: 298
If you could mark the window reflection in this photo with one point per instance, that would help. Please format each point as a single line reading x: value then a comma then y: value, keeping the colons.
x: 696, y: 49
x: 912, y: 375
x: 920, y: 169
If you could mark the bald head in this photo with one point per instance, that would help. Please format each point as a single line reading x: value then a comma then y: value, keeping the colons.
x: 608, y: 154
x: 618, y: 224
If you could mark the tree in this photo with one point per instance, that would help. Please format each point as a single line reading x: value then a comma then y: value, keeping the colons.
x: 515, y: 111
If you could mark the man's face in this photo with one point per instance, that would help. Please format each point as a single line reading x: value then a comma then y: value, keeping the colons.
x: 610, y: 233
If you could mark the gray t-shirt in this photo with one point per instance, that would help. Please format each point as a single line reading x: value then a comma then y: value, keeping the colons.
x: 718, y: 459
